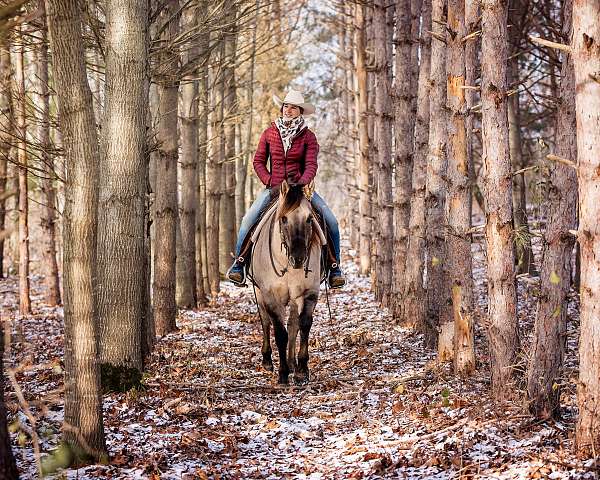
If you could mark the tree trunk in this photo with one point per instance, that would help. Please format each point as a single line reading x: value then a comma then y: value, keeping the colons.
x: 20, y: 114
x: 414, y: 294
x: 204, y: 106
x: 6, y: 125
x: 384, y: 151
x: 438, y: 302
x: 503, y: 325
x: 122, y: 206
x: 48, y: 217
x: 472, y: 47
x: 83, y: 427
x: 459, y: 194
x: 213, y: 185
x: 549, y: 339
x: 586, y: 60
x: 186, y: 257
x: 8, y: 466
x: 404, y: 123
x: 364, y: 205
x: 227, y: 217
x: 165, y: 309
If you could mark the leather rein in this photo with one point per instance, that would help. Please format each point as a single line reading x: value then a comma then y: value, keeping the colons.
x: 285, y: 246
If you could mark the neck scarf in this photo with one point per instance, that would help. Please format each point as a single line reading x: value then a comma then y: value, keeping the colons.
x: 288, y: 129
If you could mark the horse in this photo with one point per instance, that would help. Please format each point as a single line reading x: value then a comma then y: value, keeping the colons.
x: 286, y: 269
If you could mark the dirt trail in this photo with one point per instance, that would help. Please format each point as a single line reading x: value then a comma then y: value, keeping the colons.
x: 377, y: 405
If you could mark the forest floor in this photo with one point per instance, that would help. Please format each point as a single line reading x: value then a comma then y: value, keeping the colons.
x: 377, y: 405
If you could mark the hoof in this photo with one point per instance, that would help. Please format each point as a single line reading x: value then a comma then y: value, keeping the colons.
x: 301, y: 378
x: 283, y: 379
x: 267, y: 365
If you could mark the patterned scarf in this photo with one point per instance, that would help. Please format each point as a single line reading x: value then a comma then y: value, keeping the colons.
x: 288, y: 129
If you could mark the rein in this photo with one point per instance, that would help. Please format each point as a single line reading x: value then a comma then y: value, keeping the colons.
x: 284, y: 246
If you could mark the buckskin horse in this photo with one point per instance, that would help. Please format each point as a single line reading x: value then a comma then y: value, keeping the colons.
x: 286, y: 269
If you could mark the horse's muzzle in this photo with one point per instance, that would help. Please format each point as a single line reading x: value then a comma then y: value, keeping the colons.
x: 296, y: 262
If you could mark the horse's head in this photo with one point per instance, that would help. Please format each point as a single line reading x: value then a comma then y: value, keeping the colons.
x: 295, y: 218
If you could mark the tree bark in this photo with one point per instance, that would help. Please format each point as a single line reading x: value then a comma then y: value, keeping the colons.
x: 364, y: 205
x: 586, y: 60
x: 213, y: 185
x: 6, y: 125
x: 122, y: 209
x: 404, y: 123
x: 549, y: 339
x: 384, y: 152
x: 204, y: 106
x: 459, y: 194
x: 186, y: 258
x: 165, y: 308
x: 20, y: 114
x: 48, y: 217
x: 414, y: 294
x: 83, y: 427
x: 438, y: 302
x: 503, y: 325
x: 227, y: 214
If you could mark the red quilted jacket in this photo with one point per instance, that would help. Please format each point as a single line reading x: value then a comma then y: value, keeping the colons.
x: 300, y: 162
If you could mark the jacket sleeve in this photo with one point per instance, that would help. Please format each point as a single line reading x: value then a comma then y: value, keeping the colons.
x: 310, y: 159
x: 260, y: 160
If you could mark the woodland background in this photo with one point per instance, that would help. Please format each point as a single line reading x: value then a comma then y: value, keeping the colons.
x: 459, y: 149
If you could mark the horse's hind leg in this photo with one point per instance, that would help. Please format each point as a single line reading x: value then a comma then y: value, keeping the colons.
x: 292, y: 328
x: 301, y: 374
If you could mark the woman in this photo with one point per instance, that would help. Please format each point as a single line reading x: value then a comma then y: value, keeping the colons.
x: 292, y: 149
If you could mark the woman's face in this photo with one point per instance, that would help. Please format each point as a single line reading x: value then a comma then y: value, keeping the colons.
x: 290, y: 111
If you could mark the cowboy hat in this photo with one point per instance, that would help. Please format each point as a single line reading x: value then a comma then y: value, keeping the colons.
x: 294, y: 97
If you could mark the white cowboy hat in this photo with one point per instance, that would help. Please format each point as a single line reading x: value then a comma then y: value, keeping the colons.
x: 294, y: 97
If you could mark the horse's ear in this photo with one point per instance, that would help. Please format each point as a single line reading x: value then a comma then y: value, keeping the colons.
x: 284, y: 189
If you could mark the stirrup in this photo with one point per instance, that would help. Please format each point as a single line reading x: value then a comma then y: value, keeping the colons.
x: 340, y: 279
x: 242, y: 281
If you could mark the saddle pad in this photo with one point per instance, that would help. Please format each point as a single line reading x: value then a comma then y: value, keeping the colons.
x: 267, y: 217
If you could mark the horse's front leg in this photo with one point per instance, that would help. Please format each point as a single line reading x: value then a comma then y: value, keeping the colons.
x: 301, y: 374
x: 292, y: 329
x: 267, y: 361
x: 281, y: 339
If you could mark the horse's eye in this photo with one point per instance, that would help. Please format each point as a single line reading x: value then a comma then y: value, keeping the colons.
x: 309, y: 220
x: 284, y: 220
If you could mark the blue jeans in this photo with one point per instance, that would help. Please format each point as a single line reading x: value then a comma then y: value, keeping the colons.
x: 262, y: 201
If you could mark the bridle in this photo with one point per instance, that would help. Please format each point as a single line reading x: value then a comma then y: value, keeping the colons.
x: 285, y: 247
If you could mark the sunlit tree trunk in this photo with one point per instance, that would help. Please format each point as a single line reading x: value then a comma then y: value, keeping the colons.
x: 6, y: 125
x: 121, y: 213
x: 459, y: 194
x: 384, y: 151
x: 586, y: 59
x: 48, y: 216
x: 503, y: 325
x: 364, y: 205
x: 414, y: 294
x: 20, y: 114
x: 165, y: 309
x: 549, y: 339
x: 186, y: 256
x: 404, y: 123
x: 435, y: 198
x: 83, y: 427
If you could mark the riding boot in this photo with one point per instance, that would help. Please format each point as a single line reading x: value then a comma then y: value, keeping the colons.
x: 237, y: 272
x: 336, y: 277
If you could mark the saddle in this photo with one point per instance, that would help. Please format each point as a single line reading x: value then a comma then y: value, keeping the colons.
x: 327, y: 254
